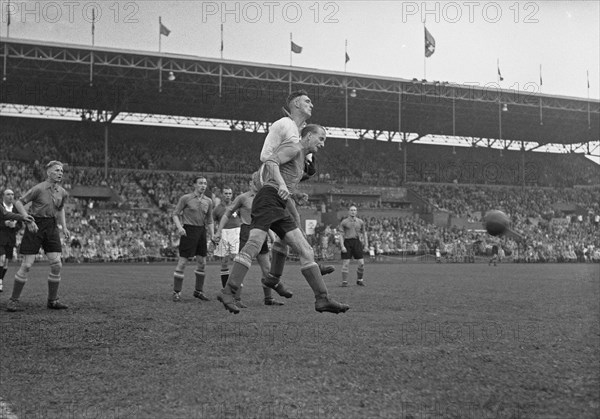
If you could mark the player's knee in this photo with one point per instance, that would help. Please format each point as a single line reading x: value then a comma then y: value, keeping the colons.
x: 55, y: 266
x: 26, y: 266
x: 361, y: 263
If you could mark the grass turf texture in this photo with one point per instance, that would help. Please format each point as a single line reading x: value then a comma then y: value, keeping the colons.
x: 420, y: 340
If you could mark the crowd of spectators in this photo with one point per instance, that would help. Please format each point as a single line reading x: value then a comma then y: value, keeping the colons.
x: 148, y: 174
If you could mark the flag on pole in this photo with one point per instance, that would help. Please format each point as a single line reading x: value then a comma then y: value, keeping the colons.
x: 347, y: 57
x: 164, y: 30
x: 588, y: 78
x: 429, y: 43
x: 500, y: 78
x: 221, y: 40
x: 296, y: 49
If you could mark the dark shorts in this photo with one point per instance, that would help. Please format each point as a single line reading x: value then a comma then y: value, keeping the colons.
x: 269, y: 212
x: 354, y: 249
x: 47, y: 238
x: 245, y: 234
x: 8, y: 250
x: 194, y: 242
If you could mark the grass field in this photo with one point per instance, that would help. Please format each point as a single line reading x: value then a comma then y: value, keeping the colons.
x: 421, y: 340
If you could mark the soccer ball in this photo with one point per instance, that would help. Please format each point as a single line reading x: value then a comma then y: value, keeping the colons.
x: 496, y: 222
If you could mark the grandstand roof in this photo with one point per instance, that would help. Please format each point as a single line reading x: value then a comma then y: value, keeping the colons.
x: 97, y: 78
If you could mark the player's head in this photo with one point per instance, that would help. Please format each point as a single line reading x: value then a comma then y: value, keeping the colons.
x: 8, y: 196
x: 352, y: 210
x: 227, y: 194
x: 54, y: 171
x: 200, y: 184
x: 298, y: 103
x: 314, y: 137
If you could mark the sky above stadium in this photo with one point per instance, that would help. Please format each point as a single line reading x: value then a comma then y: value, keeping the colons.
x: 385, y: 38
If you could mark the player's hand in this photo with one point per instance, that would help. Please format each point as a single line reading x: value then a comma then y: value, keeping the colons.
x: 283, y: 192
x: 32, y: 227
x: 343, y: 249
x: 67, y: 233
x: 181, y: 231
x: 10, y: 223
x: 300, y: 198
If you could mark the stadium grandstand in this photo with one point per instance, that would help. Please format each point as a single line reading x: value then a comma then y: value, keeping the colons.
x: 422, y: 160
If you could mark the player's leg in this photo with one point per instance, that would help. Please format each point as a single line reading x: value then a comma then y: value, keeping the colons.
x: 311, y: 272
x: 21, y: 278
x: 3, y: 265
x: 241, y: 265
x: 178, y: 276
x: 200, y: 275
x: 279, y: 254
x: 360, y: 271
x: 54, y: 259
x: 265, y: 267
x: 201, y: 252
x: 346, y: 263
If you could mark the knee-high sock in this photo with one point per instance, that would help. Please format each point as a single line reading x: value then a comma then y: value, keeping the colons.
x: 359, y: 272
x: 240, y: 267
x: 199, y: 280
x: 313, y: 276
x: 2, y: 273
x: 53, y: 283
x: 345, y: 270
x: 18, y: 286
x: 224, y: 275
x: 279, y: 254
x: 177, y: 281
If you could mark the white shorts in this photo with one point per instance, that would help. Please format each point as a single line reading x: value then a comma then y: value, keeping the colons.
x: 229, y: 243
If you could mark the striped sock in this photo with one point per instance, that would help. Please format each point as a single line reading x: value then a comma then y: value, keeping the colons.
x: 18, y: 286
x: 359, y: 272
x: 177, y: 281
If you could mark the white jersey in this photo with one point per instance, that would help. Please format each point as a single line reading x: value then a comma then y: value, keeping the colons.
x: 283, y: 129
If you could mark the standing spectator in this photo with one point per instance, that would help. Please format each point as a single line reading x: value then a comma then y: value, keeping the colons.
x: 354, y: 242
x: 193, y: 218
x: 47, y: 206
x: 8, y: 232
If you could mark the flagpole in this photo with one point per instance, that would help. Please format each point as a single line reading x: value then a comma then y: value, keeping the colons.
x: 424, y: 56
x: 346, y: 55
x: 290, y: 80
x: 221, y: 41
x: 588, y: 97
x: 159, y: 34
x: 541, y: 83
x: 291, y: 49
x: 8, y: 19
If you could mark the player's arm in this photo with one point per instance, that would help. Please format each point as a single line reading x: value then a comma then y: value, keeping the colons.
x: 366, y: 236
x: 341, y: 230
x: 283, y: 154
x: 62, y: 220
x: 176, y: 216
x: 23, y: 215
x: 210, y: 227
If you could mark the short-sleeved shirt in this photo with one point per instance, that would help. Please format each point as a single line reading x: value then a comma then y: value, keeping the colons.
x: 194, y: 210
x: 219, y: 211
x: 353, y: 228
x: 282, y: 130
x: 46, y: 198
x: 290, y: 158
x: 243, y: 205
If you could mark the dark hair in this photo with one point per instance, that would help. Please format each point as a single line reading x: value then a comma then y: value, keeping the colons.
x: 199, y: 177
x: 294, y: 95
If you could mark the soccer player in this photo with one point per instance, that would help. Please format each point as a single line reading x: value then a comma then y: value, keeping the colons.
x: 278, y: 178
x: 8, y: 231
x: 47, y: 208
x: 194, y: 221
x: 352, y: 231
x: 298, y: 110
x: 243, y: 205
x: 229, y: 234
